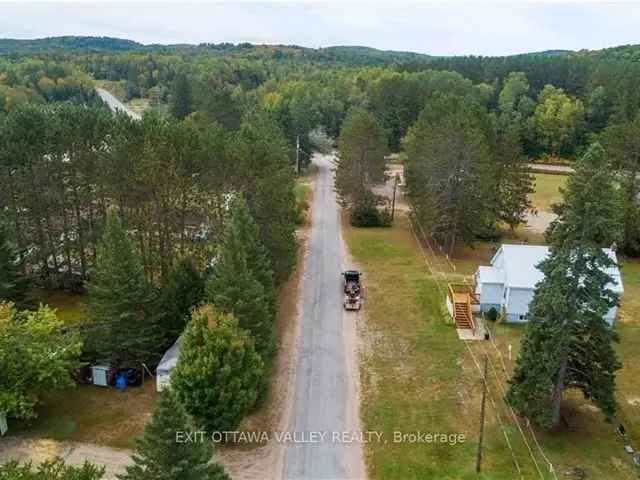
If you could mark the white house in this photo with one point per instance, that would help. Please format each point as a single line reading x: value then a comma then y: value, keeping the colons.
x: 168, y: 362
x: 508, y: 284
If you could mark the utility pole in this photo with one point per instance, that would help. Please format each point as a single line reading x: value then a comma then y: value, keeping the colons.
x: 393, y: 202
x: 482, y: 408
x: 298, y: 155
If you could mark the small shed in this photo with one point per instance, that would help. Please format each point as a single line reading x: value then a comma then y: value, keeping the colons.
x: 167, y: 363
x: 100, y: 375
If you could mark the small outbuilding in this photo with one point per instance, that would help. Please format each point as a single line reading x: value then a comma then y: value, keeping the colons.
x: 509, y: 283
x: 167, y: 363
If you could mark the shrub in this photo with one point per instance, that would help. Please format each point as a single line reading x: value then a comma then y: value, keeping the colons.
x: 365, y: 213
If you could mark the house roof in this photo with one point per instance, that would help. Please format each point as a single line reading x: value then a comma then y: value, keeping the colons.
x: 170, y: 358
x: 490, y: 275
x: 519, y: 264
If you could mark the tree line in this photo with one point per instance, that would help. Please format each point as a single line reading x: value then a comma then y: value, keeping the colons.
x: 65, y: 167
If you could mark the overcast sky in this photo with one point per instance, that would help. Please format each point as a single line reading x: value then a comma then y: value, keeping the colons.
x: 450, y: 28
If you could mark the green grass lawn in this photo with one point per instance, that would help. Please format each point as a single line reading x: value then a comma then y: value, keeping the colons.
x: 547, y: 190
x: 70, y: 307
x: 417, y: 375
x: 91, y: 414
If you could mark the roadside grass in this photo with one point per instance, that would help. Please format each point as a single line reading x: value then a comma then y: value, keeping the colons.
x: 117, y: 89
x: 417, y: 375
x: 547, y: 190
x: 99, y: 415
x: 415, y: 372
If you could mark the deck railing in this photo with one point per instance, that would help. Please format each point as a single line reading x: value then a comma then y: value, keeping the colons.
x: 470, y: 298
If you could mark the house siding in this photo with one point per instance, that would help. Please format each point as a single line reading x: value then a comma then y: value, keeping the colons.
x: 491, y: 293
x: 518, y: 303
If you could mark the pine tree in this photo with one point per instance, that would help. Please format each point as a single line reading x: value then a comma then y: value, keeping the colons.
x: 218, y: 372
x: 159, y: 456
x: 450, y: 176
x: 121, y: 302
x: 362, y: 159
x: 264, y: 175
x: 567, y: 343
x: 14, y: 285
x: 242, y: 281
x: 184, y: 290
x: 591, y: 208
x: 182, y: 97
x: 515, y: 181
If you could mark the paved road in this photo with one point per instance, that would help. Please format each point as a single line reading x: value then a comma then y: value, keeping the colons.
x: 115, y: 104
x: 325, y: 397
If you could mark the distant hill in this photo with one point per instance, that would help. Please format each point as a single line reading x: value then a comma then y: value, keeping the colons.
x: 354, y: 54
x: 360, y: 54
x: 71, y: 44
x: 552, y: 53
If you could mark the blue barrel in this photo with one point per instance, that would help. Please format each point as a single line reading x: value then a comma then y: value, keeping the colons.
x: 121, y: 382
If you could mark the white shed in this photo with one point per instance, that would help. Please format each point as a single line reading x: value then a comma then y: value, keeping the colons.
x: 167, y: 363
x: 509, y: 283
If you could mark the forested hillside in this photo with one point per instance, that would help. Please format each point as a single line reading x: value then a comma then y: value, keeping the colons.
x: 546, y: 106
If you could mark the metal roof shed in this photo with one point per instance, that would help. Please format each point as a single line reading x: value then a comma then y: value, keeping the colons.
x: 167, y: 363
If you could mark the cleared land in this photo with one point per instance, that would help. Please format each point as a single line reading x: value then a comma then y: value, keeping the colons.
x: 407, y: 332
x: 417, y: 376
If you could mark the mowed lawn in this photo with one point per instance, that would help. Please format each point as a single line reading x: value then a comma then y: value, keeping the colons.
x: 87, y: 413
x: 417, y: 376
x: 414, y: 375
x: 547, y: 190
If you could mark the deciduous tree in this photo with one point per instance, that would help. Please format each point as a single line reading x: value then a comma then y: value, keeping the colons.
x: 36, y: 357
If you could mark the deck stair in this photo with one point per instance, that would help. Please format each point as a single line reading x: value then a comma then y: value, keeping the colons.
x: 460, y: 302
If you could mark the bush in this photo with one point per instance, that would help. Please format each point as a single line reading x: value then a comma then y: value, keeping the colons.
x: 366, y: 213
x: 492, y: 314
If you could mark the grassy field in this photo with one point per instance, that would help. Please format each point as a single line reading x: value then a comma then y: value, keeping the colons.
x: 417, y: 375
x: 547, y: 190
x: 93, y: 414
x: 70, y: 307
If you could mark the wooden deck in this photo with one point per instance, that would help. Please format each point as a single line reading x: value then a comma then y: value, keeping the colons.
x: 462, y: 297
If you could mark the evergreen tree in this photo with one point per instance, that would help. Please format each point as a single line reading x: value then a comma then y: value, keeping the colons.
x: 182, y: 97
x: 218, y: 372
x: 361, y: 161
x: 263, y: 173
x: 567, y: 343
x: 159, y: 456
x: 591, y: 209
x: 184, y: 290
x: 449, y: 173
x: 50, y: 470
x: 14, y: 285
x: 242, y: 281
x: 121, y: 303
x: 514, y: 178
